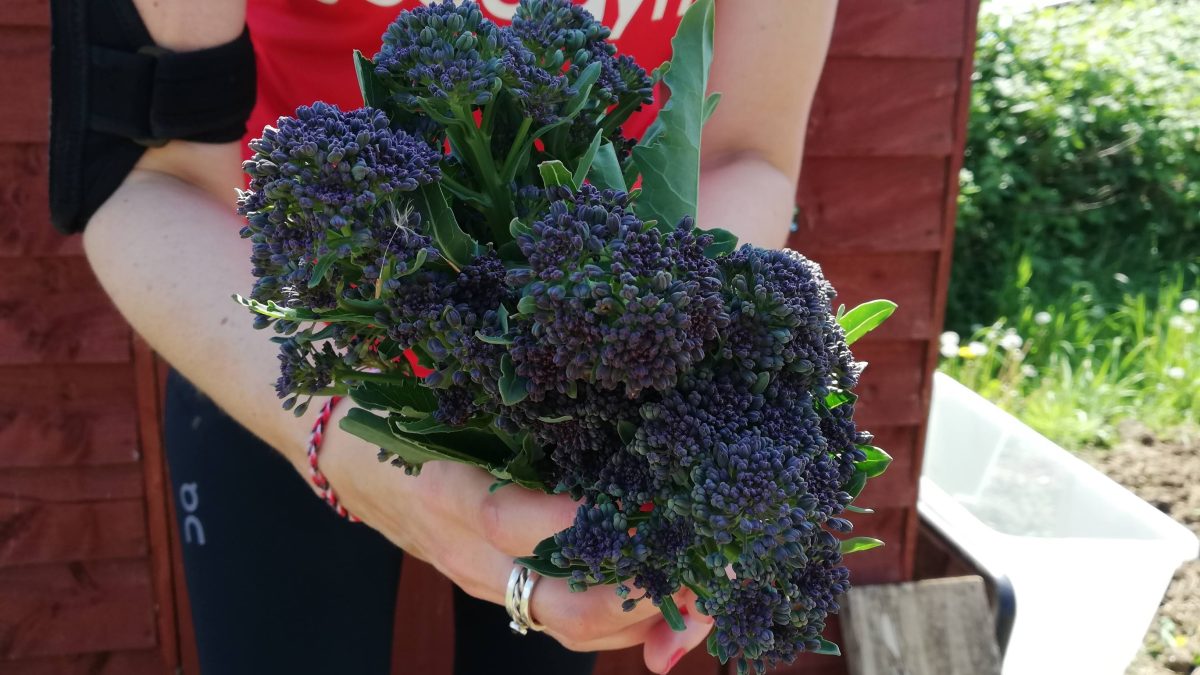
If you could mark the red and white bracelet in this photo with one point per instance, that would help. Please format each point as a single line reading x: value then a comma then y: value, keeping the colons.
x: 319, y: 481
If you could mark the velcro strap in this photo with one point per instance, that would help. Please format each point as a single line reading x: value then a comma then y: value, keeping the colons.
x: 155, y: 95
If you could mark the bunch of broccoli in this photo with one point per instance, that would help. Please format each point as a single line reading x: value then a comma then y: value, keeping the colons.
x: 464, y: 258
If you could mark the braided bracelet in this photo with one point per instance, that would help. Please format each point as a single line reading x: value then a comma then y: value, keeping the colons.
x: 319, y: 481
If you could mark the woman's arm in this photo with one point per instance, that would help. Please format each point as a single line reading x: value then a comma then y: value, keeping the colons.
x: 767, y: 59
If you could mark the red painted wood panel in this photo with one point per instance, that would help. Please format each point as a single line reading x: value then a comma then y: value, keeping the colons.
x: 73, y: 483
x: 897, y: 487
x: 889, y: 389
x: 24, y: 205
x: 25, y: 13
x: 870, y: 204
x: 25, y: 81
x: 103, y: 663
x: 56, y: 415
x: 904, y: 278
x: 884, y: 108
x: 33, y: 532
x: 899, y: 28
x: 54, y: 311
x: 75, y: 608
x: 424, y: 637
x: 886, y: 563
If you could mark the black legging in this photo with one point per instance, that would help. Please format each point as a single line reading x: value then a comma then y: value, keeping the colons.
x: 279, y: 584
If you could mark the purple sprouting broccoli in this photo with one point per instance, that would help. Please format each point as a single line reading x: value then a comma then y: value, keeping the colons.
x: 472, y: 226
x: 611, y: 300
x: 326, y: 184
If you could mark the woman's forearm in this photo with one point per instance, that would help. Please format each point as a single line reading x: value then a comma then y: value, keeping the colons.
x: 748, y: 196
x: 169, y: 255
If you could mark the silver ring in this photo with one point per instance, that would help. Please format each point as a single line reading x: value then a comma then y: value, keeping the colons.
x: 516, y: 600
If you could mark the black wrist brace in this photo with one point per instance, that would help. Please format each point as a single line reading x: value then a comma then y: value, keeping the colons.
x: 114, y: 93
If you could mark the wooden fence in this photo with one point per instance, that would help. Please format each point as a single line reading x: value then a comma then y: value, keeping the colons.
x: 89, y: 579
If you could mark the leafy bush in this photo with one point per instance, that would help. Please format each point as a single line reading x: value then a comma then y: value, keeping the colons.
x: 1082, y: 157
x: 1074, y: 371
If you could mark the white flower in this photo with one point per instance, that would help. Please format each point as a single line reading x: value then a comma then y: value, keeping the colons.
x: 949, y: 338
x: 1189, y: 305
x: 949, y: 350
x: 1175, y: 373
x: 1178, y: 322
x: 977, y: 348
x: 1042, y: 318
x: 1028, y: 370
x: 1121, y: 278
x: 1011, y: 342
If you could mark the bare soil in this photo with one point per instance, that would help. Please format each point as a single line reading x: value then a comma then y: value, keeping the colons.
x: 1166, y: 473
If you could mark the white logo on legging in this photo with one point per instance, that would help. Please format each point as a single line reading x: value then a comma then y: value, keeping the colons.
x: 189, y: 500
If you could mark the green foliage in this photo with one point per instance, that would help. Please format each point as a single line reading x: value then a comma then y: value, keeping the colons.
x: 1083, y: 155
x: 669, y: 155
x: 1075, y: 370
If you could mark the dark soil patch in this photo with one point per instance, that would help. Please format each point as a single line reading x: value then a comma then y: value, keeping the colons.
x: 1165, y: 473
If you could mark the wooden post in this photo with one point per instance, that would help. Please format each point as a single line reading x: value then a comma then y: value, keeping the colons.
x: 941, y: 626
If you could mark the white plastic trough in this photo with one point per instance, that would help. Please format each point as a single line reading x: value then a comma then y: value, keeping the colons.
x: 1088, y: 560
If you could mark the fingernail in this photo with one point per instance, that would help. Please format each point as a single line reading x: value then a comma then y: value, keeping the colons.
x: 683, y: 611
x: 674, y: 659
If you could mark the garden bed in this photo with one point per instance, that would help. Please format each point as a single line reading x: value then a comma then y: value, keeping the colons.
x: 1166, y: 473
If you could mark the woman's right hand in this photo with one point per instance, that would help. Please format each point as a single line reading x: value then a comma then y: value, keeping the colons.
x: 446, y: 517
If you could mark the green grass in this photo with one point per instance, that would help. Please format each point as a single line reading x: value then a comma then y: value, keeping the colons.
x: 1075, y: 369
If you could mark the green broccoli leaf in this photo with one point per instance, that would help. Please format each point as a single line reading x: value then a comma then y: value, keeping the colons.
x: 373, y: 93
x: 455, y: 245
x: 723, y: 242
x: 839, y: 397
x: 378, y: 432
x: 671, y: 613
x: 544, y: 567
x: 865, y: 318
x: 710, y: 105
x: 394, y: 396
x: 876, y: 463
x: 606, y: 169
x: 826, y: 648
x: 669, y: 155
x: 513, y: 387
x: 585, y: 162
x: 554, y: 174
x: 855, y: 485
x: 856, y: 544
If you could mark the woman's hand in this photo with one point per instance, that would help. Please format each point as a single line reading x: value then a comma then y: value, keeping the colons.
x: 446, y: 517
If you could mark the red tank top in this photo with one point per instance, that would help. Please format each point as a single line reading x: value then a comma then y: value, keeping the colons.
x: 303, y: 47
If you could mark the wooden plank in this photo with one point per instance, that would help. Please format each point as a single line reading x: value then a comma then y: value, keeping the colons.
x: 423, y: 646
x: 69, y: 319
x: 899, y: 28
x: 25, y: 81
x: 145, y: 662
x: 75, y: 608
x: 870, y: 204
x: 886, y: 563
x: 25, y: 13
x: 908, y: 279
x: 158, y: 495
x: 25, y: 228
x: 55, y: 415
x: 34, y: 532
x: 72, y: 483
x: 962, y: 106
x: 888, y: 390
x: 897, y: 487
x: 939, y: 626
x: 884, y: 108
